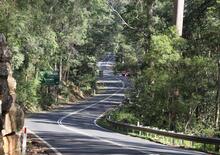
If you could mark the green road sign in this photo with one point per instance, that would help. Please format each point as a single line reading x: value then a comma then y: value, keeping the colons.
x: 51, y: 78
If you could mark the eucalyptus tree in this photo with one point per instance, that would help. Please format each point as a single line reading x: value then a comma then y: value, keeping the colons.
x: 178, y: 77
x: 49, y: 35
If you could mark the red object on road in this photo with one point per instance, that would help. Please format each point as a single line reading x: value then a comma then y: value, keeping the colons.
x: 25, y: 130
x: 125, y: 73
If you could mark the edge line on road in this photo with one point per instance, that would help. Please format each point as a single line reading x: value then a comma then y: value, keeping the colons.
x: 45, y: 142
x: 95, y: 121
x: 59, y: 122
x: 75, y: 112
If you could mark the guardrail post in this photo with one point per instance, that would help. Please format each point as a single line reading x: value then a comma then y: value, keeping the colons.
x: 204, y: 146
x: 192, y: 144
x: 147, y: 135
x: 163, y: 140
x: 182, y: 142
x: 138, y: 125
x: 94, y: 92
x: 217, y: 148
x: 173, y: 141
x: 125, y: 129
x: 24, y: 141
x: 168, y: 140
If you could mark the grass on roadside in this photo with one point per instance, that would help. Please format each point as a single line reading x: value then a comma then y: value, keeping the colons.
x: 159, y: 139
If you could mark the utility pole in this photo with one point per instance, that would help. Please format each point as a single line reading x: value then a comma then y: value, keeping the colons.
x: 178, y: 15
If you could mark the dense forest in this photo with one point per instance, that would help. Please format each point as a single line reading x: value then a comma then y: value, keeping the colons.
x: 175, y: 80
x: 45, y: 36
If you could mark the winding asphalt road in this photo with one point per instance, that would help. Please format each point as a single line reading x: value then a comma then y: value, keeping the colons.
x: 72, y: 130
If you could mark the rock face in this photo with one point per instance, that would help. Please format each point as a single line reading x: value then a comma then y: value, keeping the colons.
x: 12, y: 116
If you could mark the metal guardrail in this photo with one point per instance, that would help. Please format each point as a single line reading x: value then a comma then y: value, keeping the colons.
x: 197, y: 139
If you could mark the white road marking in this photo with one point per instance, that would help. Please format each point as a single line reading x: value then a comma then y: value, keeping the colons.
x: 108, y: 81
x: 109, y: 94
x: 46, y: 143
x: 92, y: 136
x: 60, y: 122
x: 115, y: 88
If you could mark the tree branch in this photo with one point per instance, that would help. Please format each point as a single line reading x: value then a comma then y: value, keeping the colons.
x: 124, y: 22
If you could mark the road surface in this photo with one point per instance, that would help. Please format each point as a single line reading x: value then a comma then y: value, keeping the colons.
x: 72, y: 130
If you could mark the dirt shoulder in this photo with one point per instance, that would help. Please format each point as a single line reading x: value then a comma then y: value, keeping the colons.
x: 35, y: 146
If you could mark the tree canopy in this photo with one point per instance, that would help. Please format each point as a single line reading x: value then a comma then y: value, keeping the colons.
x: 176, y: 79
x: 53, y: 35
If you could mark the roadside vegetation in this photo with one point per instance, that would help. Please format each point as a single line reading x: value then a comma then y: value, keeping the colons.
x: 47, y: 36
x: 175, y: 79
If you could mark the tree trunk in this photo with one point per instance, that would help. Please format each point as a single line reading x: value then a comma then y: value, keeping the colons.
x: 190, y: 118
x: 67, y: 67
x: 178, y: 15
x: 61, y: 67
x: 172, y: 109
x: 68, y: 74
x: 217, y: 106
x: 11, y: 145
x: 12, y: 116
x: 149, y: 27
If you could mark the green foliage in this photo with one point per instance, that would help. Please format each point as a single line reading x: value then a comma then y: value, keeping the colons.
x: 54, y: 35
x: 45, y: 101
x: 27, y: 94
x: 122, y: 115
x: 175, y: 78
x: 162, y: 51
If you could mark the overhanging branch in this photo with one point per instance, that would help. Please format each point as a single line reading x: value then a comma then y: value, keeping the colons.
x: 119, y: 15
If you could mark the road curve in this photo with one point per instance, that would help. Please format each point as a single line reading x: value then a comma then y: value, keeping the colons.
x: 72, y: 130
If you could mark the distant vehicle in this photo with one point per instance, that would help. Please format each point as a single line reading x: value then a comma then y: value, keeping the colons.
x: 125, y: 73
x: 126, y: 100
